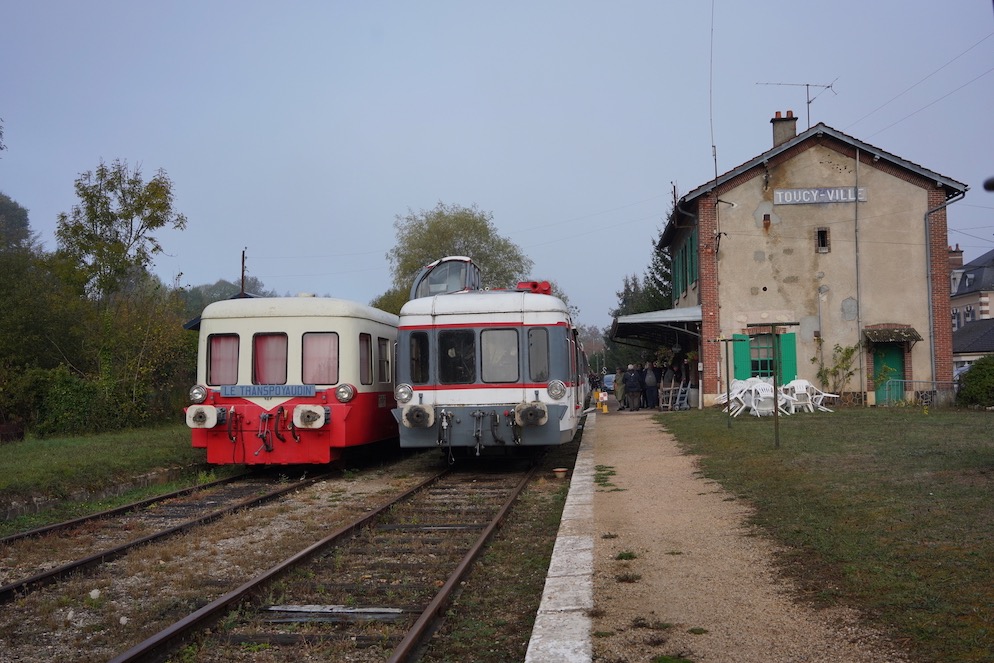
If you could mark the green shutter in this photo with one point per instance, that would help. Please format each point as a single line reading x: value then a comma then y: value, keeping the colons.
x: 788, y: 357
x: 742, y: 361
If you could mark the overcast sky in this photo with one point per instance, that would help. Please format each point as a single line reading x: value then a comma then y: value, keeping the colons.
x: 298, y: 131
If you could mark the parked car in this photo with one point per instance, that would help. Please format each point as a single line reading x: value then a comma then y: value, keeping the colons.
x: 608, y: 382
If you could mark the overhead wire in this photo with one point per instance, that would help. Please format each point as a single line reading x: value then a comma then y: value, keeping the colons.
x: 899, y: 95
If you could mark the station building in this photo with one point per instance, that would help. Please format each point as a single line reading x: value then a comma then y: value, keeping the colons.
x: 823, y: 241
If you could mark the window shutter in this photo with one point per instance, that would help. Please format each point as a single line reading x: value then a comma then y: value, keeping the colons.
x: 788, y: 357
x: 741, y: 362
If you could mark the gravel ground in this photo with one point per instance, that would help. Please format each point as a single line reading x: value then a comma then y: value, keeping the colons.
x: 702, y: 585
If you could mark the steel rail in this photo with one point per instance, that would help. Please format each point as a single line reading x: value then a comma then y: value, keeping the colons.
x: 415, y: 635
x: 134, y: 506
x: 159, y: 645
x: 9, y: 592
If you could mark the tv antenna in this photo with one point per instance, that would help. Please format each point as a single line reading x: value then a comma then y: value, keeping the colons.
x: 807, y: 92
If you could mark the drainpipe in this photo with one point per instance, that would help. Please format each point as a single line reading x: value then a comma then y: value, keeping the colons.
x: 859, y: 297
x: 928, y: 274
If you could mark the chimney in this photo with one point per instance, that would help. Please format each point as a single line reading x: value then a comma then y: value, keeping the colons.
x: 955, y: 258
x: 784, y: 128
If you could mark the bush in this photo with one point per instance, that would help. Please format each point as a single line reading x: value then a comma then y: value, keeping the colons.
x: 70, y: 405
x: 977, y: 384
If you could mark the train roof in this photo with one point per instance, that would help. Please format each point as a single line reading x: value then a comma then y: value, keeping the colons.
x: 485, y: 301
x: 301, y: 306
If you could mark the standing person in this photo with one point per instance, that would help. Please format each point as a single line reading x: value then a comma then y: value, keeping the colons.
x: 633, y: 388
x: 619, y: 389
x: 651, y: 380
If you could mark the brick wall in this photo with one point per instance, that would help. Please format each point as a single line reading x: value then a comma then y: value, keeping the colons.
x: 707, y: 222
x: 942, y: 331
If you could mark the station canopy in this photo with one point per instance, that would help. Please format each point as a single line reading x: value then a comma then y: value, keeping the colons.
x: 664, y: 328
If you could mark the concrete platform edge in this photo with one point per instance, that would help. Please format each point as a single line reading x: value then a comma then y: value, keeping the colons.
x: 562, y: 625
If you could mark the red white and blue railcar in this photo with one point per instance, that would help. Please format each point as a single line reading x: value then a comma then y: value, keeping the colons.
x: 291, y: 380
x: 489, y: 369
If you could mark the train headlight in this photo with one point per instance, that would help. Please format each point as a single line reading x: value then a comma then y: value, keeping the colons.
x: 556, y: 389
x: 198, y: 393
x: 403, y: 393
x: 344, y: 393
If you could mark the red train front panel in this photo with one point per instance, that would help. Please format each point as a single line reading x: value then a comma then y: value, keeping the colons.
x: 311, y: 430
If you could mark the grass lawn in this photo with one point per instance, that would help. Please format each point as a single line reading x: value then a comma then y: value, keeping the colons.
x: 64, y: 467
x: 890, y: 510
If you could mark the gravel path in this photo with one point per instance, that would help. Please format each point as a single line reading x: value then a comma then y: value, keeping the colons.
x: 705, y: 587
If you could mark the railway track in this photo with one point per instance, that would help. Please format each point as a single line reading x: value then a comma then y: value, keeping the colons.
x: 373, y: 589
x: 26, y: 559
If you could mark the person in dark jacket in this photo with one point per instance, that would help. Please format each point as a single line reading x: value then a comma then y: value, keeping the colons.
x: 651, y: 379
x: 633, y: 388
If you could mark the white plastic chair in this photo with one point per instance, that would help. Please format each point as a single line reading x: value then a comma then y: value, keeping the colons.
x: 818, y: 398
x: 763, y: 400
x: 799, y: 396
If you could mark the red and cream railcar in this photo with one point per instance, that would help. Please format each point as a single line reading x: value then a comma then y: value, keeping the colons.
x: 291, y: 380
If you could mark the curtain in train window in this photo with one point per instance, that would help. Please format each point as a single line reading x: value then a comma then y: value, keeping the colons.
x: 269, y: 354
x: 222, y: 359
x: 319, y: 361
x: 365, y: 359
x: 457, y: 356
x: 382, y: 360
x: 499, y: 354
x: 419, y: 357
x: 538, y: 355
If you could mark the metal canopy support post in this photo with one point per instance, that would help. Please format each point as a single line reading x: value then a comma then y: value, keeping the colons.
x: 776, y: 369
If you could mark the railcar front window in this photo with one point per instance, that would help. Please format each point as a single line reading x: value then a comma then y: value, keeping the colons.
x: 319, y: 363
x: 499, y: 354
x: 269, y: 359
x: 457, y: 356
x: 419, y: 358
x: 222, y: 359
x: 538, y: 355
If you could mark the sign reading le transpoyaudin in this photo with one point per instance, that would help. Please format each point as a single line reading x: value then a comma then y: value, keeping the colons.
x: 268, y: 390
x: 818, y: 196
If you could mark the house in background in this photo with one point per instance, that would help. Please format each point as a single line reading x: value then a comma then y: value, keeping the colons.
x: 972, y: 287
x: 973, y: 327
x: 972, y: 341
x: 821, y: 241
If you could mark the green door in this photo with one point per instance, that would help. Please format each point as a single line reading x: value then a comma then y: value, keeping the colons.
x: 888, y: 372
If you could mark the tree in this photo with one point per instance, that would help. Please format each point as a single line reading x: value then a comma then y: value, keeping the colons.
x: 197, y: 297
x: 657, y: 282
x: 109, y: 233
x: 652, y: 292
x: 14, y: 227
x: 450, y: 230
x: 977, y: 384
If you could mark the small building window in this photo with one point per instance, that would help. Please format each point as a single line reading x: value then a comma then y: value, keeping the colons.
x: 761, y: 354
x: 822, y: 242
